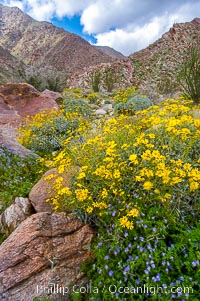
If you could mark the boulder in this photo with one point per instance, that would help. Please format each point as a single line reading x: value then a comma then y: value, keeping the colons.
x: 25, y: 100
x: 14, y: 147
x: 8, y: 115
x: 15, y: 214
x: 43, y: 190
x: 54, y: 95
x: 44, y: 252
x: 94, y: 106
x: 100, y: 112
x: 107, y: 107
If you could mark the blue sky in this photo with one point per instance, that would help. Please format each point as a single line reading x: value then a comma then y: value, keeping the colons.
x: 73, y: 25
x: 126, y: 25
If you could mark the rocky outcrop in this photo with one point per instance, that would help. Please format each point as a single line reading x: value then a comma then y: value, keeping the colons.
x: 156, y: 65
x: 12, y: 217
x: 44, y: 252
x: 25, y: 100
x: 17, y: 100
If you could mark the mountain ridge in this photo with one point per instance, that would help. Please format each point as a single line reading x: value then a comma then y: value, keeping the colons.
x: 43, y: 45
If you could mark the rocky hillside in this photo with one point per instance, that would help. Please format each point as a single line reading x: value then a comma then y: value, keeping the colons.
x: 111, y: 52
x: 155, y: 66
x: 43, y: 45
x: 152, y: 69
x: 11, y: 67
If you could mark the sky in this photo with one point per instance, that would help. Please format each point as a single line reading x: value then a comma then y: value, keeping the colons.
x: 125, y: 25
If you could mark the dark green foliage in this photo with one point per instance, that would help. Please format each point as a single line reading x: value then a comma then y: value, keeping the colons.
x: 109, y: 79
x: 95, y: 81
x: 17, y: 176
x: 48, y: 138
x: 159, y: 252
x: 46, y: 79
x: 78, y: 106
x: 189, y: 74
x: 134, y: 104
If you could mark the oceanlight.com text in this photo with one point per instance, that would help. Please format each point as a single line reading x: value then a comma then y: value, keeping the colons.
x: 113, y: 289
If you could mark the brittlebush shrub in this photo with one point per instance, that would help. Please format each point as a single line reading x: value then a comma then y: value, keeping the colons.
x: 45, y: 132
x: 138, y: 181
x: 125, y: 94
x: 133, y: 105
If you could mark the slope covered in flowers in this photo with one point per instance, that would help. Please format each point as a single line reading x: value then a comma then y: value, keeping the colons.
x: 137, y: 179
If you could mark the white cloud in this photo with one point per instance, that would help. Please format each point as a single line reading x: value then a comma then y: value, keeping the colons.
x: 126, y: 25
x: 46, y: 9
x: 13, y: 3
x: 132, y: 38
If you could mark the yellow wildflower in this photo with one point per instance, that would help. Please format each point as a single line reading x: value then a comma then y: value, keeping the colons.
x: 81, y: 194
x: 81, y: 175
x: 89, y: 209
x: 116, y: 174
x: 133, y: 159
x: 104, y: 193
x: 147, y: 185
x: 133, y: 212
x: 187, y: 166
x: 194, y: 186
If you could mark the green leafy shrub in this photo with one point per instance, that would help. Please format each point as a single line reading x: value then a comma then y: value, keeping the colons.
x: 92, y: 97
x: 72, y: 93
x: 107, y: 102
x: 133, y: 104
x: 78, y: 106
x: 45, y: 132
x: 46, y: 79
x: 125, y: 94
x: 17, y: 176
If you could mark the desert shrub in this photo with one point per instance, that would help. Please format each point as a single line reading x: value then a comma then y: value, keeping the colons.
x: 133, y: 104
x: 45, y: 132
x: 72, y: 93
x: 188, y: 74
x: 140, y: 186
x: 109, y: 79
x: 96, y: 81
x: 78, y: 106
x: 92, y: 97
x: 44, y: 78
x: 107, y: 102
x: 17, y: 176
x: 167, y: 84
x: 125, y: 94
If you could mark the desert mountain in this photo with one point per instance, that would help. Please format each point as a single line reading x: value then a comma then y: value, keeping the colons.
x: 111, y: 52
x: 153, y: 68
x: 42, y: 45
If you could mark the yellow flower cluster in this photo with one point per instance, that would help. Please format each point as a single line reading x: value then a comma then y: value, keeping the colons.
x: 81, y: 194
x: 126, y: 162
x: 124, y: 95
